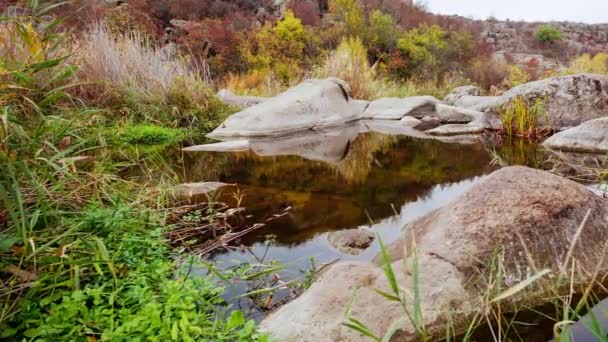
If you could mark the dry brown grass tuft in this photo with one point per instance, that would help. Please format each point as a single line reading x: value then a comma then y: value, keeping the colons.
x: 118, y: 65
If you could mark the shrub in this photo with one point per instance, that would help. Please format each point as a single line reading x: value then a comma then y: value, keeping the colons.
x: 586, y: 64
x: 548, y: 34
x: 382, y: 34
x: 350, y: 13
x: 521, y: 119
x: 349, y: 63
x: 307, y: 11
x: 33, y: 70
x: 256, y: 82
x: 516, y: 76
x: 487, y: 72
x: 420, y: 43
x: 279, y: 48
x: 215, y: 42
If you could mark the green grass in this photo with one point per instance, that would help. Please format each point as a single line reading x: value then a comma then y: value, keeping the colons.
x: 149, y: 135
x: 524, y: 120
x: 83, y: 255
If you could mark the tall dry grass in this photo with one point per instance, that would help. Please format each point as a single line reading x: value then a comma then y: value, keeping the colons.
x: 138, y: 79
x: 131, y: 65
x: 349, y: 62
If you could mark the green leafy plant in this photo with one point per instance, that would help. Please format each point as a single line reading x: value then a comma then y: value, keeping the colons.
x: 548, y: 34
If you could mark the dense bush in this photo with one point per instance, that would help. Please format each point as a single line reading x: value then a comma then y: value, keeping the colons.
x: 279, y: 48
x: 597, y: 64
x: 548, y: 34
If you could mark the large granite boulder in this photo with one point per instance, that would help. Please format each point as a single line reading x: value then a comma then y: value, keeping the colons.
x: 460, y: 92
x: 311, y: 104
x: 522, y: 219
x: 394, y: 108
x: 591, y: 136
x: 569, y: 100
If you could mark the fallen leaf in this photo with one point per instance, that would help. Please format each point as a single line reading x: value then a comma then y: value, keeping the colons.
x: 24, y: 276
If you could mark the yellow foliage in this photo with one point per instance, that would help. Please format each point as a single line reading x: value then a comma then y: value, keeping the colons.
x: 256, y: 82
x: 280, y: 47
x: 421, y: 42
x: 516, y: 76
x: 586, y: 64
x: 350, y: 13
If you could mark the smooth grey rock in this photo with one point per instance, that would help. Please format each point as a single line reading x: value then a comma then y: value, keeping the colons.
x: 230, y: 98
x: 455, y: 245
x: 568, y: 100
x: 453, y: 115
x: 351, y: 241
x: 477, y: 103
x: 459, y: 92
x: 224, y: 146
x: 362, y: 104
x: 393, y: 108
x: 482, y: 123
x: 591, y: 136
x: 457, y: 129
x: 313, y: 103
x: 196, y: 189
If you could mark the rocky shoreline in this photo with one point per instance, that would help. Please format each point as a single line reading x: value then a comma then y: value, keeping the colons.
x: 527, y: 221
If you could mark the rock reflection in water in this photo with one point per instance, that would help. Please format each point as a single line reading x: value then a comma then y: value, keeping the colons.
x: 339, y: 182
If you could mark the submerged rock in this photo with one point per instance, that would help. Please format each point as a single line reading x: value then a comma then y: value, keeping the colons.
x: 351, y: 241
x: 525, y: 214
x: 591, y: 136
x: 232, y: 99
x: 393, y: 108
x: 313, y: 103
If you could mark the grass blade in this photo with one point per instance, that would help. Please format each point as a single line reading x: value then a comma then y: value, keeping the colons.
x: 521, y: 286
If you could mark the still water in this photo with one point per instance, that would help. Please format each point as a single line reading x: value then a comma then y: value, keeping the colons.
x: 331, y: 182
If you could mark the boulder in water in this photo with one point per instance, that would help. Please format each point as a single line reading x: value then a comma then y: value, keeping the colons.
x: 393, y: 108
x: 531, y: 218
x: 311, y: 104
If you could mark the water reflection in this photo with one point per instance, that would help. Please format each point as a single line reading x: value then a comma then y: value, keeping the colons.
x: 297, y: 258
x: 377, y: 172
